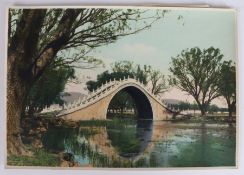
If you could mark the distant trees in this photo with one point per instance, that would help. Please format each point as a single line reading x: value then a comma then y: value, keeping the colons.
x: 185, y: 106
x: 145, y: 74
x: 227, y: 85
x: 197, y: 72
x: 121, y: 101
x: 105, y: 77
x: 123, y: 69
x: 213, y: 108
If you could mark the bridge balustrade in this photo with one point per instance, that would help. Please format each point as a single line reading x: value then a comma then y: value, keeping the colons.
x: 102, y: 91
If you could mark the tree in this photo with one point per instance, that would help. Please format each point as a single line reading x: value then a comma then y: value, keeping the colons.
x: 142, y: 73
x: 46, y: 90
x: 197, y: 72
x: 130, y: 69
x: 227, y: 85
x: 105, y: 77
x: 158, y: 82
x: 124, y: 69
x: 37, y: 36
x: 123, y: 66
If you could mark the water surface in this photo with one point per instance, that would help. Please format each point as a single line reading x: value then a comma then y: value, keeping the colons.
x: 145, y: 143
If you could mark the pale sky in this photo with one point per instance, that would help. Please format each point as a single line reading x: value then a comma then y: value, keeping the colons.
x: 166, y: 39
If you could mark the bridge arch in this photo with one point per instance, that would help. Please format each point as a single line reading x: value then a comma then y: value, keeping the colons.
x: 143, y: 104
x: 95, y: 106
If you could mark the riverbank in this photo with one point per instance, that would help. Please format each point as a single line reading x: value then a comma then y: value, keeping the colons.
x: 33, y: 129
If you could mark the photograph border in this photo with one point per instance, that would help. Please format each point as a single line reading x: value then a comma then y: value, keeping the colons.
x: 160, y: 168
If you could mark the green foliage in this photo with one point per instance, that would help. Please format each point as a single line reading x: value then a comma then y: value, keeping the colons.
x: 213, y: 108
x: 124, y: 69
x: 105, y: 77
x: 46, y: 90
x: 83, y: 29
x: 158, y: 82
x: 227, y: 84
x: 132, y: 70
x: 197, y: 72
x: 183, y: 106
x: 120, y: 70
x: 40, y: 158
x: 121, y: 101
x: 123, y: 66
x: 142, y: 74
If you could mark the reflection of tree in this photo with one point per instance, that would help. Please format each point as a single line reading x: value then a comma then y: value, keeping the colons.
x: 55, y: 138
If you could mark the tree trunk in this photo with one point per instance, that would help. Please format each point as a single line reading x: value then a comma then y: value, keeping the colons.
x: 16, y: 91
x: 230, y: 116
x: 203, y: 112
x: 202, y: 108
x: 24, y: 68
x: 230, y: 113
x: 121, y: 110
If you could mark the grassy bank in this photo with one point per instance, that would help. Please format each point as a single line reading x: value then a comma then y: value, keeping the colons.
x: 40, y: 157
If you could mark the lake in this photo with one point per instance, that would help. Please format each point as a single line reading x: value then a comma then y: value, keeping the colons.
x: 145, y: 143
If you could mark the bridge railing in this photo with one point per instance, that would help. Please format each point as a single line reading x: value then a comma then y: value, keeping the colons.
x: 101, y: 92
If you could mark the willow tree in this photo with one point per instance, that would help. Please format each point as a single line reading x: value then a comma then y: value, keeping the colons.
x: 197, y: 72
x: 37, y: 36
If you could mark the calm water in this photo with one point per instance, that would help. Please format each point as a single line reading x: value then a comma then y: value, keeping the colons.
x: 132, y: 143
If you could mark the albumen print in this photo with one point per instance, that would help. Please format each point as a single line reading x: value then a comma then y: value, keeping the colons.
x: 121, y: 87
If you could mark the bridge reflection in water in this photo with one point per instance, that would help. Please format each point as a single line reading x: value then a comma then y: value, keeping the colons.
x: 126, y: 141
x: 145, y: 143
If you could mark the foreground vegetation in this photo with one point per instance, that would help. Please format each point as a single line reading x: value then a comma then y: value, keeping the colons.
x: 40, y: 157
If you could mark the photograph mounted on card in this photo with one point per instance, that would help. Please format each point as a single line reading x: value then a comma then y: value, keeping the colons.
x: 121, y: 87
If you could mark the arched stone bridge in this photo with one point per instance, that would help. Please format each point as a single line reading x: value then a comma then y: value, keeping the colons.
x: 95, y: 106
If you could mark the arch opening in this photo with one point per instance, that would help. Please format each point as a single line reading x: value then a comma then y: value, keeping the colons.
x: 130, y: 99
